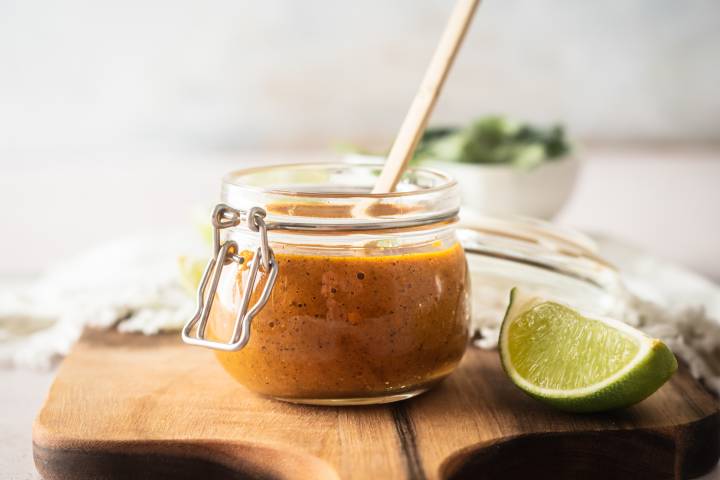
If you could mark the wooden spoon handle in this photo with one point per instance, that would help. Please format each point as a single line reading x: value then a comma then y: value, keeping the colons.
x: 417, y: 116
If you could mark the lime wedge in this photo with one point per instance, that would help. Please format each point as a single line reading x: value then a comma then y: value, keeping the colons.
x: 579, y: 364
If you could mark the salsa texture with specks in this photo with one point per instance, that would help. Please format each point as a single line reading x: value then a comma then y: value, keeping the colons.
x: 352, y: 326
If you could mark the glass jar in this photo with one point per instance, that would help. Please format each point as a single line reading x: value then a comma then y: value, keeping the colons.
x: 323, y: 293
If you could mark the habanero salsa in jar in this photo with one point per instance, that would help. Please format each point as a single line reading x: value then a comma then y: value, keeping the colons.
x: 320, y: 292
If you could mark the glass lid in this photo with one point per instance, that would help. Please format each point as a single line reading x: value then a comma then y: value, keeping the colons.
x: 540, y: 257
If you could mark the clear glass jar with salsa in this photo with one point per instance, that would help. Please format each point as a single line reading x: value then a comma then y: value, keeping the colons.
x: 323, y: 293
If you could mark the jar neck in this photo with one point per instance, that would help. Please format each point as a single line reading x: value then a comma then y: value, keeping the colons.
x: 369, y: 226
x: 356, y: 241
x: 337, y: 198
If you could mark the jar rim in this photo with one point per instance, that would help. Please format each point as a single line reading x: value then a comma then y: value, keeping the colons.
x: 338, y: 196
x: 232, y: 177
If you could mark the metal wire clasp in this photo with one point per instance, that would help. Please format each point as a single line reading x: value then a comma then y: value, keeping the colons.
x: 225, y: 216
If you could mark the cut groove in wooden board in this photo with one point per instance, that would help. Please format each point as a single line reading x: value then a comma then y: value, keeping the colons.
x: 127, y: 406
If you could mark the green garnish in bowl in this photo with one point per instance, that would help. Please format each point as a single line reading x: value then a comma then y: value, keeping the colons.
x: 494, y: 140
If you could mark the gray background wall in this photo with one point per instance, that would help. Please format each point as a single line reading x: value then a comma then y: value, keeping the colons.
x: 223, y: 74
x: 110, y: 108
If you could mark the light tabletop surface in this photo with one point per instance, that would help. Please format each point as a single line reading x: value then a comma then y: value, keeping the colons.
x: 664, y: 201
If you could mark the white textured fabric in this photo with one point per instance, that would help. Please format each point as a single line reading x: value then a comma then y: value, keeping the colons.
x: 673, y: 304
x: 133, y: 285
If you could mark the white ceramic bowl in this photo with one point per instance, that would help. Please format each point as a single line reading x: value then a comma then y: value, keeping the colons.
x: 539, y: 192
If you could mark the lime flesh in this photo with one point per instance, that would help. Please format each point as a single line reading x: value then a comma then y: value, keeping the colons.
x: 575, y: 363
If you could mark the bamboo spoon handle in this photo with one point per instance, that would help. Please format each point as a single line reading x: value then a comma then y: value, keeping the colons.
x: 422, y: 106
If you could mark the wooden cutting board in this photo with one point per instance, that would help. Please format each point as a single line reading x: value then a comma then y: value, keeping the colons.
x: 127, y: 406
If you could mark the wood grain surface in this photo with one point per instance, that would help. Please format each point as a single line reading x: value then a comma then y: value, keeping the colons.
x: 127, y: 406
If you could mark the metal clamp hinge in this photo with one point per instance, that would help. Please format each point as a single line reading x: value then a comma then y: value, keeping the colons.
x: 224, y: 216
